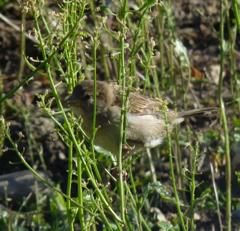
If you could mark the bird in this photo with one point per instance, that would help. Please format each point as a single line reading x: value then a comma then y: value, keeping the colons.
x: 145, y: 117
x: 148, y: 120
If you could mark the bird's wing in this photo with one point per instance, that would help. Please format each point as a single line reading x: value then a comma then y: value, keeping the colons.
x: 145, y: 106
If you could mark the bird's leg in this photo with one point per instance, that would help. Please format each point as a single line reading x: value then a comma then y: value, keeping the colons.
x: 152, y: 168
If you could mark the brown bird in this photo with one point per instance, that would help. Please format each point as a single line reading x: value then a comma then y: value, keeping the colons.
x: 146, y: 117
x: 146, y: 122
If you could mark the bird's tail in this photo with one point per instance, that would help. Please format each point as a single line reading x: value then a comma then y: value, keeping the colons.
x: 196, y: 111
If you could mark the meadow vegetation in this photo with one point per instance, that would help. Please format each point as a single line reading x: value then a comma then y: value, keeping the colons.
x: 140, y: 45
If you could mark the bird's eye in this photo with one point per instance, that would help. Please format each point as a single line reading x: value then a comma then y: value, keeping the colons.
x: 85, y: 96
x: 82, y: 93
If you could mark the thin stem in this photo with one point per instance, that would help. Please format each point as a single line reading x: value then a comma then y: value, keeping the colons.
x: 39, y: 67
x: 172, y: 174
x: 216, y: 196
x: 95, y: 45
x: 37, y: 175
x: 80, y: 192
x: 236, y: 11
x: 70, y: 129
x: 224, y: 121
x: 135, y: 203
x: 122, y: 72
x: 122, y: 131
x: 161, y: 22
x: 94, y: 130
x: 69, y: 185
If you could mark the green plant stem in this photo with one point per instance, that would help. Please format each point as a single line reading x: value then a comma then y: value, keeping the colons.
x: 235, y: 85
x: 70, y: 130
x: 136, y: 208
x: 178, y: 155
x: 216, y: 197
x: 122, y: 75
x: 39, y: 67
x: 236, y: 11
x: 122, y: 130
x: 73, y: 138
x: 69, y: 185
x: 224, y: 120
x: 161, y: 22
x: 45, y: 182
x: 94, y: 130
x: 37, y: 175
x: 134, y: 198
x: 80, y: 192
x: 172, y: 174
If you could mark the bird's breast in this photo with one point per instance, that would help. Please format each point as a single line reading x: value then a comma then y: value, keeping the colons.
x: 145, y: 128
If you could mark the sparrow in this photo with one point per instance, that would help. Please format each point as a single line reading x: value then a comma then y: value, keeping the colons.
x: 145, y: 117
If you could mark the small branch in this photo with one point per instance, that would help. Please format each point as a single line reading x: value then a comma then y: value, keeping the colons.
x: 216, y: 196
